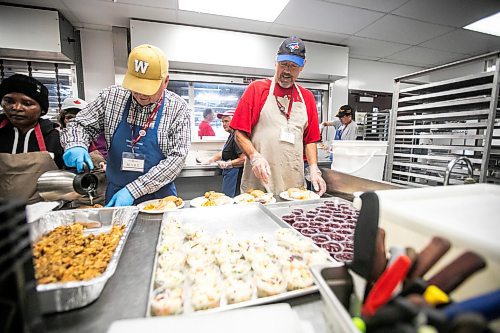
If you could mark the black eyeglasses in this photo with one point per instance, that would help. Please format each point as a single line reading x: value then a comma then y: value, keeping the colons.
x: 288, y: 65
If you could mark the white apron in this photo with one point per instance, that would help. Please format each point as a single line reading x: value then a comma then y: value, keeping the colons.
x: 285, y: 159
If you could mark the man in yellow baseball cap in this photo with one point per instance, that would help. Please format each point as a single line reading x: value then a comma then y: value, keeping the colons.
x: 147, y: 69
x: 147, y: 130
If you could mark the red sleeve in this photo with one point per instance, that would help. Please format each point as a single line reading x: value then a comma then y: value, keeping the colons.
x: 205, y: 129
x: 311, y: 132
x: 247, y: 112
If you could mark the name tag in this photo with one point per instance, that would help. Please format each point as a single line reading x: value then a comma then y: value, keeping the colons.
x: 287, y: 135
x: 133, y: 162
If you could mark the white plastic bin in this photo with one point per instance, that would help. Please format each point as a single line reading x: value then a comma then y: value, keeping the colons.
x: 467, y: 215
x: 364, y: 159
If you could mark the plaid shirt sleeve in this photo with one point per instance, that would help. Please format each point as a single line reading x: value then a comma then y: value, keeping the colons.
x: 174, y: 136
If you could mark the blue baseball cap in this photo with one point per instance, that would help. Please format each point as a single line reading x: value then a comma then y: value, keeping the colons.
x: 292, y: 49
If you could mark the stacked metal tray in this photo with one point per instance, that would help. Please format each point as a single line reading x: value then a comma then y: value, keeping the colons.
x: 63, y: 296
x: 247, y: 221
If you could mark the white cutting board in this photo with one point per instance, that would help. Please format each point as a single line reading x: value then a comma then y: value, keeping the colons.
x: 274, y: 318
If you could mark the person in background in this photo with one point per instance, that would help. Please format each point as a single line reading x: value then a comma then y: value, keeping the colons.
x: 205, y: 129
x: 29, y: 144
x: 346, y: 128
x: 275, y: 123
x: 147, y: 130
x: 98, y: 150
x: 230, y: 160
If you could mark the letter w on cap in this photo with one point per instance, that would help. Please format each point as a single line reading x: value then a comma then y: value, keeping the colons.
x: 141, y: 66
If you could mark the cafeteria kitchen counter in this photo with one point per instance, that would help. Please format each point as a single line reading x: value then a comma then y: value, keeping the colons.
x: 208, y: 177
x: 126, y: 293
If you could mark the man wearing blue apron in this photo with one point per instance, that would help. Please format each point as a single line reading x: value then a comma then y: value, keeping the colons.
x: 147, y: 130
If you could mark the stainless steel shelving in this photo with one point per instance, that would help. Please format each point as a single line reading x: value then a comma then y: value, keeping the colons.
x: 435, y: 121
x: 376, y: 126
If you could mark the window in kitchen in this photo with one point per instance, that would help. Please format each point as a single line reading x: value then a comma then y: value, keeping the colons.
x: 224, y: 96
x: 59, y: 78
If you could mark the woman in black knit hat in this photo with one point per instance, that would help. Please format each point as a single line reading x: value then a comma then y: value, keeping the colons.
x: 29, y: 144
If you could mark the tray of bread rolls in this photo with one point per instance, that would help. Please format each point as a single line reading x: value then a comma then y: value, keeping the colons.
x: 221, y: 258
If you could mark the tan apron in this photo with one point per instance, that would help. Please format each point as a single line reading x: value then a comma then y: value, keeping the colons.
x: 285, y: 159
x: 19, y: 173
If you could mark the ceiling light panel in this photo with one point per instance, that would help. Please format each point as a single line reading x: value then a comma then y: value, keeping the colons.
x: 488, y: 25
x: 258, y: 10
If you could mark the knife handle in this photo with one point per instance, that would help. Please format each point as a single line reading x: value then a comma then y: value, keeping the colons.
x: 382, y: 289
x: 399, y: 309
x: 380, y: 257
x: 413, y: 255
x: 468, y: 323
x: 487, y: 305
x: 437, y: 247
x: 459, y: 270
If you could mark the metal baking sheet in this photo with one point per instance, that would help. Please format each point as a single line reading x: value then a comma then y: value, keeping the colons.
x: 246, y: 221
x: 63, y: 296
x: 282, y: 208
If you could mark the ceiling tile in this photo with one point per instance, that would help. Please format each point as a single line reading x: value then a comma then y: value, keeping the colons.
x: 421, y: 56
x: 222, y: 22
x: 457, y: 13
x: 361, y: 57
x: 317, y: 36
x: 170, y: 4
x: 359, y: 46
x: 403, y: 30
x: 464, y: 41
x: 325, y: 16
x: 96, y: 12
x: 385, y: 6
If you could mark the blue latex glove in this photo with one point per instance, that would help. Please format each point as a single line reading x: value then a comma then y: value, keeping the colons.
x: 121, y: 198
x: 76, y: 157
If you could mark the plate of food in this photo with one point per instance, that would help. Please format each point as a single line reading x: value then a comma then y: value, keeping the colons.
x: 298, y: 194
x: 160, y: 206
x: 255, y: 196
x: 210, y: 199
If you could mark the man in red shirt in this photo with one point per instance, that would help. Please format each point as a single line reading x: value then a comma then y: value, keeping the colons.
x: 205, y: 129
x: 276, y: 122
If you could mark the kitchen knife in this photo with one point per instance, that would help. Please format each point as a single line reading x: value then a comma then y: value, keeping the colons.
x: 459, y: 270
x: 399, y: 309
x: 365, y: 236
x: 469, y: 323
x: 382, y: 290
x: 436, y: 249
x: 487, y: 305
x: 431, y: 294
x: 380, y: 258
x: 413, y: 255
x: 394, y: 252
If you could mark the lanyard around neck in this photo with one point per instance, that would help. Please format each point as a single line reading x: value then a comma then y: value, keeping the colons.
x: 143, y: 130
x: 281, y: 107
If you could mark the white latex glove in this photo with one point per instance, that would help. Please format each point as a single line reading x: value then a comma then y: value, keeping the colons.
x: 317, y: 181
x: 260, y: 167
x: 224, y: 164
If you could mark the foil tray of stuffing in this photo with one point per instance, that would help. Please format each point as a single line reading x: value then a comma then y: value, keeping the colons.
x: 75, y: 252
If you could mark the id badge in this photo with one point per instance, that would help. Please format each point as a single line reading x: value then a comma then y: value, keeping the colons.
x: 287, y: 135
x: 133, y: 162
